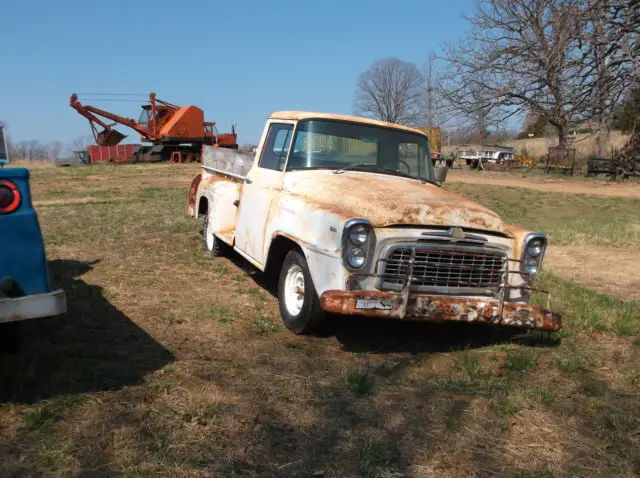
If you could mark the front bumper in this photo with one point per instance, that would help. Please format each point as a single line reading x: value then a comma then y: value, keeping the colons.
x: 403, y: 305
x: 33, y: 306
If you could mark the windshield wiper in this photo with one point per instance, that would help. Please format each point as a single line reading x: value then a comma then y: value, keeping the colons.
x: 353, y: 166
x: 391, y: 171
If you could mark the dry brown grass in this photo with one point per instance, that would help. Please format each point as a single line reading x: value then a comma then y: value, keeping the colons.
x: 30, y: 164
x: 170, y: 363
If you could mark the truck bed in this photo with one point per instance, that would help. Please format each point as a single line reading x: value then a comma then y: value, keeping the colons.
x: 227, y: 161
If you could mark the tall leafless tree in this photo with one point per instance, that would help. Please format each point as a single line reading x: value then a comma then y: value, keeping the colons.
x: 610, y: 58
x: 564, y: 60
x: 392, y: 90
x: 524, y: 56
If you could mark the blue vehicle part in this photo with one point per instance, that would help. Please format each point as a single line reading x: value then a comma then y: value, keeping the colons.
x: 22, y: 254
x: 25, y: 291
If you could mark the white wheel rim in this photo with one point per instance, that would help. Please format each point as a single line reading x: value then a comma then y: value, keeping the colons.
x: 294, y: 290
x: 209, y: 237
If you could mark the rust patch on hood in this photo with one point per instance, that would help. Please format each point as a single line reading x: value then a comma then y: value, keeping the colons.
x: 387, y: 200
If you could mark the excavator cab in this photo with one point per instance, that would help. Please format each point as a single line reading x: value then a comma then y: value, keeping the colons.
x: 145, y: 116
x: 151, y: 123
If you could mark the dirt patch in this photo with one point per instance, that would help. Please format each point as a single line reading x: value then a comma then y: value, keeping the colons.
x: 613, y: 271
x: 550, y: 185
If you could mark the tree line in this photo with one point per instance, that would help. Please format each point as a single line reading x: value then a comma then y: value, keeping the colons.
x: 557, y: 63
x: 34, y: 150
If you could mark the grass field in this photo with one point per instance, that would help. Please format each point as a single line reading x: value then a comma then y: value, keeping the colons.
x: 170, y: 363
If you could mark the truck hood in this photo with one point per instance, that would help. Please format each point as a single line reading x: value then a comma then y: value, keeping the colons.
x: 390, y: 200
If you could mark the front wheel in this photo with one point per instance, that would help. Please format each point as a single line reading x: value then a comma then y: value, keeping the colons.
x: 299, y: 302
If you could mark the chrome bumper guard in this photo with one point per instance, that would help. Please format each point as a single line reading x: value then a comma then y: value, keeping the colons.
x: 424, y: 307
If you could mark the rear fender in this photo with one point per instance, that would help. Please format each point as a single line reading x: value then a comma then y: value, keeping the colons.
x: 192, y: 208
x: 222, y: 195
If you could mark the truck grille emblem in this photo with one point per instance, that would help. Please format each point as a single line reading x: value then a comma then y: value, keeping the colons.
x: 456, y: 232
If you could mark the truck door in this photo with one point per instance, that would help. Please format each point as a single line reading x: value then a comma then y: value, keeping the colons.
x: 262, y: 184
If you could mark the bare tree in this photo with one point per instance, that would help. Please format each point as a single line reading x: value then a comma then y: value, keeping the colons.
x: 391, y: 90
x: 564, y: 60
x: 466, y: 100
x: 31, y: 149
x: 610, y: 50
x: 54, y: 149
x: 528, y: 57
x: 81, y: 142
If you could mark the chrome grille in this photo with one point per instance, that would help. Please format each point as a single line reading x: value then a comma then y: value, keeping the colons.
x: 444, y: 269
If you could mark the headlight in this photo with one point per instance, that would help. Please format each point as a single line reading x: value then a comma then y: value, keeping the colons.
x: 533, y: 250
x: 531, y: 266
x: 535, y: 246
x: 358, y: 234
x: 356, y: 257
x: 357, y: 243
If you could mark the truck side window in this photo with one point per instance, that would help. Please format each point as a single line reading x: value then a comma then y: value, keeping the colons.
x: 276, y: 147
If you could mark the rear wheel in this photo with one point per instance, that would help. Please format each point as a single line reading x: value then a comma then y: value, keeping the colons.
x: 210, y: 243
x: 299, y: 302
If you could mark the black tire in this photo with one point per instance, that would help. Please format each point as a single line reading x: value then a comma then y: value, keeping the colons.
x: 10, y: 338
x: 311, y: 318
x: 10, y: 333
x: 211, y: 244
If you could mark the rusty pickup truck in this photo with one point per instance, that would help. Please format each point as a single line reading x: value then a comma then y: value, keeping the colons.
x: 349, y: 215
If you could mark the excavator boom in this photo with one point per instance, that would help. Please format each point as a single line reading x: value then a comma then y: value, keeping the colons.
x: 108, y: 136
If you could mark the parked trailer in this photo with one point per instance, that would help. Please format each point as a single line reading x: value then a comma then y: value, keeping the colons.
x: 474, y: 155
x: 112, y: 154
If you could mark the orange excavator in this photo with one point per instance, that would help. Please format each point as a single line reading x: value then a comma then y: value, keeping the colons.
x: 177, y: 133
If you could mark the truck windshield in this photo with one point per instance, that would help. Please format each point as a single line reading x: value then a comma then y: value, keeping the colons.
x: 333, y: 144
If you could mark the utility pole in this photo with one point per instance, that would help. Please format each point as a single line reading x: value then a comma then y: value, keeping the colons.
x: 430, y: 112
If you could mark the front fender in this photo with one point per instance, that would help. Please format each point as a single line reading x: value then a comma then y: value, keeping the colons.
x: 316, y: 230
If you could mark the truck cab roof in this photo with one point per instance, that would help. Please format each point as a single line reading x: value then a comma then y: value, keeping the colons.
x: 302, y: 115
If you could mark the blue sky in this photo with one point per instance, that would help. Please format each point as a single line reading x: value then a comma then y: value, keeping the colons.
x: 237, y: 60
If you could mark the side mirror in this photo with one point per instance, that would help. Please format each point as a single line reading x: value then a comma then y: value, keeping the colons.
x: 440, y: 172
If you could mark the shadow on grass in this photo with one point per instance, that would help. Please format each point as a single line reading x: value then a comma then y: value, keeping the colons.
x: 373, y: 335
x: 370, y: 335
x: 93, y: 347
